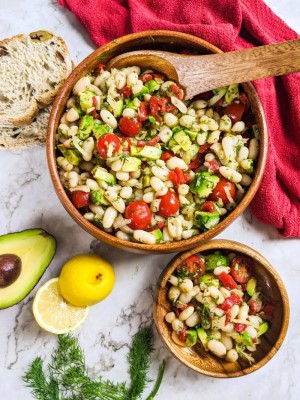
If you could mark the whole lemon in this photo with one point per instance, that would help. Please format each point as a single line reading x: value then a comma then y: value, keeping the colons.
x: 86, y: 279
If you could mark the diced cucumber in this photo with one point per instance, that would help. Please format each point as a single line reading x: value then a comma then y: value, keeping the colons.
x: 251, y: 286
x: 232, y: 93
x: 152, y: 86
x: 263, y: 328
x: 206, y: 220
x: 216, y: 259
x: 131, y: 164
x: 101, y: 174
x: 183, y: 140
x: 187, y: 156
x: 192, y: 134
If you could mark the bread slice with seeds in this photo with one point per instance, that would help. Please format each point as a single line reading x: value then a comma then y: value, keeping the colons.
x: 14, y: 137
x: 32, y: 69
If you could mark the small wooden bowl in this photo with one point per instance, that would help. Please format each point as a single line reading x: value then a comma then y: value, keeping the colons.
x: 160, y: 40
x: 196, y: 357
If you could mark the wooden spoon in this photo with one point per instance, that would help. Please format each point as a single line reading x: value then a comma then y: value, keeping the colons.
x: 198, y: 74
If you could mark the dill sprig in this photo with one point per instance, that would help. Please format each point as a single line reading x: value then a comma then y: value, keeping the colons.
x: 67, y: 378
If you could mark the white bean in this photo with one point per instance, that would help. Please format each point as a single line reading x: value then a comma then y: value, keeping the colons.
x: 232, y: 355
x: 229, y: 151
x: 183, y: 189
x: 186, y: 313
x: 177, y: 324
x: 92, y: 184
x: 148, y: 197
x: 226, y: 340
x: 253, y: 149
x: 109, y: 217
x: 108, y: 118
x: 115, y: 200
x: 126, y: 192
x: 216, y: 294
x: 185, y: 298
x: 186, y: 234
x: 252, y: 332
x: 174, y: 227
x: 228, y: 327
x: 154, y: 207
x: 243, y: 312
x: 123, y: 236
x: 230, y: 174
x: 187, y: 121
x: 225, y: 123
x: 201, y: 138
x: 156, y: 183
x: 63, y: 163
x: 193, y: 320
x: 88, y: 147
x: 166, y: 235
x: 238, y: 127
x: 122, y: 176
x: 219, y: 270
x: 170, y: 316
x: 72, y: 115
x: 186, y: 285
x: 160, y: 173
x: 246, y: 180
x: 171, y: 120
x: 129, y: 113
x: 120, y: 80
x: 199, y: 104
x: 132, y: 78
x: 81, y: 85
x: 176, y: 162
x: 162, y: 191
x: 174, y: 280
x: 243, y: 154
x: 216, y: 348
x: 179, y: 104
x: 144, y: 237
x: 234, y: 311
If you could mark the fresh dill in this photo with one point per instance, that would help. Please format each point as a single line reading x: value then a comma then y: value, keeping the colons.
x: 67, y: 378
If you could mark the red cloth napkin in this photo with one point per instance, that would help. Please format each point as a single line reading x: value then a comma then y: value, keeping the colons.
x: 229, y: 25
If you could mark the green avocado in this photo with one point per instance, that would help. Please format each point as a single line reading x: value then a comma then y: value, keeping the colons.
x: 35, y: 248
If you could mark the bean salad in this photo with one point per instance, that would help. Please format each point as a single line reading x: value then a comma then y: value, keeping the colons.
x: 217, y: 302
x: 144, y: 165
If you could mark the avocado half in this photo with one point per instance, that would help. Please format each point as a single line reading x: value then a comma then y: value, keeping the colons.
x: 36, y: 248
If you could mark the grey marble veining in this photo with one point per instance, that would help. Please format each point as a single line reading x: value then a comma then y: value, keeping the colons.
x: 28, y: 200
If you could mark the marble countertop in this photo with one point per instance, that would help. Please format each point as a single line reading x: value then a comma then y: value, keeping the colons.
x: 28, y: 200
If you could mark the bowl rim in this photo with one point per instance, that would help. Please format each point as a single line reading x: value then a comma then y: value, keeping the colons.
x: 59, y: 104
x: 258, y: 257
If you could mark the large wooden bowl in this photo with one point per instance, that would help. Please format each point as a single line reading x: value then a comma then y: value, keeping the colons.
x: 196, y: 357
x: 163, y: 40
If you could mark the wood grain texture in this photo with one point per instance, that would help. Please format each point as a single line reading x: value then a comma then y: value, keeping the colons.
x: 197, y: 74
x: 149, y: 40
x: 196, y: 357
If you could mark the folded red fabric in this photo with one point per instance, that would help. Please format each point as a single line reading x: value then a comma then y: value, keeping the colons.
x: 229, y: 25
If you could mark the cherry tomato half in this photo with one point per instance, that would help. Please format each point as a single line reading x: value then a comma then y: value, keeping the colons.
x: 108, y: 143
x: 130, y: 126
x: 241, y: 269
x: 235, y: 111
x: 227, y: 281
x: 80, y: 198
x: 169, y: 204
x: 125, y: 92
x: 143, y: 111
x: 192, y: 267
x: 139, y: 213
x: 220, y: 193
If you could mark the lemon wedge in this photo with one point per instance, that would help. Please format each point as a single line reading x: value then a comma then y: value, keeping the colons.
x: 53, y: 313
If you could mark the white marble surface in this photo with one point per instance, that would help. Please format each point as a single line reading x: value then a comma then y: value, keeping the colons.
x: 28, y: 200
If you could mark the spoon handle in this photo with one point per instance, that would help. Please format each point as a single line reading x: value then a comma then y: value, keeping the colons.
x: 201, y: 73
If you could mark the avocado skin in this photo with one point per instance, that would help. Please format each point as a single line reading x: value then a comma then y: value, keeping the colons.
x: 36, y: 248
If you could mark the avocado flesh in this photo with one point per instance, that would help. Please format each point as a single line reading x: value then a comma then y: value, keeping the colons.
x: 36, y: 248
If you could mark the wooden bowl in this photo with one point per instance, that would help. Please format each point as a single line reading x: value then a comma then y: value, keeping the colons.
x: 162, y: 40
x: 196, y: 357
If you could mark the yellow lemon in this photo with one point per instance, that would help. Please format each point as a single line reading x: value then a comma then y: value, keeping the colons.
x: 86, y: 279
x: 53, y: 313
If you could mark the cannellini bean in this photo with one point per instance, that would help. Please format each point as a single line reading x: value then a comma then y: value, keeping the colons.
x: 72, y: 178
x: 186, y: 234
x: 117, y: 165
x: 160, y: 163
x: 219, y: 312
x: 253, y: 149
x: 186, y: 313
x: 72, y: 115
x: 123, y: 236
x: 193, y: 320
x: 108, y: 118
x: 92, y: 184
x: 210, y: 157
x: 201, y: 138
x: 228, y: 327
x: 199, y: 104
x: 162, y: 191
x: 170, y: 120
x: 230, y: 174
x: 219, y: 322
x: 176, y: 162
x: 232, y: 355
x: 212, y: 124
x: 98, y: 210
x: 187, y: 121
x: 185, y: 298
x: 156, y: 183
x: 252, y: 332
x: 81, y: 85
x: 186, y: 285
x: 227, y: 144
x: 219, y: 270
x: 251, y: 348
x: 87, y: 149
x: 115, y: 200
x: 234, y: 311
x: 238, y: 127
x: 195, y: 290
x: 174, y: 226
x: 126, y: 192
x: 200, y: 298
x: 64, y: 129
x: 63, y: 163
x: 129, y: 113
x: 176, y: 339
x: 226, y: 340
x: 242, y: 154
x: 144, y: 237
x: 255, y: 320
x: 213, y: 137
x: 148, y: 197
x: 122, y: 176
x: 132, y: 78
x: 160, y: 173
x: 183, y: 189
x: 177, y: 324
x: 174, y: 280
x: 243, y: 312
x: 216, y: 347
x: 137, y: 87
x: 109, y: 216
x: 179, y: 104
x: 120, y: 80
x: 246, y: 180
x: 170, y: 316
x: 89, y: 216
x: 183, y: 200
x: 101, y: 78
x: 225, y: 123
x: 216, y: 294
x: 166, y: 235
x: 154, y: 207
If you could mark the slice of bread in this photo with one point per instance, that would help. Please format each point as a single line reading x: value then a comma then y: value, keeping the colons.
x: 32, y: 69
x: 12, y: 136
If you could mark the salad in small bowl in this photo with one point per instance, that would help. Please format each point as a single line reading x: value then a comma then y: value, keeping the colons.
x: 221, y: 309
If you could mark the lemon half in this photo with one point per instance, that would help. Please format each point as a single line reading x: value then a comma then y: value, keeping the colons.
x: 53, y: 313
